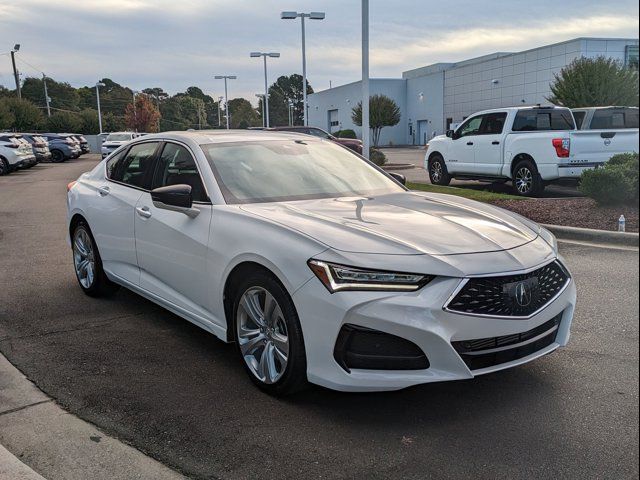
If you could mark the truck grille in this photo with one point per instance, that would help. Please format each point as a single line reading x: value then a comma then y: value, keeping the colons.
x: 513, y: 295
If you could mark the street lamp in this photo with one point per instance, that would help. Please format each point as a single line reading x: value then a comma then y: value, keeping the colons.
x: 219, y: 115
x: 365, y: 79
x: 261, y: 97
x: 226, y: 96
x: 16, y: 47
x: 98, y: 85
x: 135, y: 114
x: 264, y: 55
x: 302, y: 16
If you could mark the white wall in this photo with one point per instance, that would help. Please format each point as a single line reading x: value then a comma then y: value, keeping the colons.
x: 424, y: 103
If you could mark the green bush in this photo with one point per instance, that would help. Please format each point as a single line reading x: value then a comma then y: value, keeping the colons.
x: 615, y: 183
x: 377, y: 156
x: 348, y: 133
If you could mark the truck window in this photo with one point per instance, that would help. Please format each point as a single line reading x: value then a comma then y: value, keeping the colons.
x: 493, y: 123
x: 609, y: 118
x: 535, y: 120
x: 471, y: 126
x: 579, y: 117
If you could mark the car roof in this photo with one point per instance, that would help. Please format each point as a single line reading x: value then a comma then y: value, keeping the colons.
x: 203, y: 137
x: 518, y: 109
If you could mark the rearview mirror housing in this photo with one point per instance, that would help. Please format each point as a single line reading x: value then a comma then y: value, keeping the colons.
x: 176, y: 198
x: 398, y: 177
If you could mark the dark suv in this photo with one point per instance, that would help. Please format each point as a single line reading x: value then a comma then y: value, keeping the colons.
x: 352, y: 143
x: 62, y: 146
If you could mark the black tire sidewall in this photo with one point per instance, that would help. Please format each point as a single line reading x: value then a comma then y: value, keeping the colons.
x: 57, y: 156
x: 5, y: 169
x: 537, y: 186
x: 101, y: 285
x: 445, y: 179
x: 295, y: 375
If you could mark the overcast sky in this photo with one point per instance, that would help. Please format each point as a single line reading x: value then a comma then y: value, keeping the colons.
x: 178, y: 43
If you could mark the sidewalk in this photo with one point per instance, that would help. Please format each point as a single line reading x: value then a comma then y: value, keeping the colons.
x: 36, y: 435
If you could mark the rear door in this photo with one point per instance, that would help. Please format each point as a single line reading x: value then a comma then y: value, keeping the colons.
x: 171, y: 246
x: 488, y: 145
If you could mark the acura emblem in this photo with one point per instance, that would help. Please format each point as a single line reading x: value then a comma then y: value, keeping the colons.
x: 523, y: 294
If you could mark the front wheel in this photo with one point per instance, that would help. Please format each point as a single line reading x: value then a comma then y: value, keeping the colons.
x: 438, y: 173
x: 5, y: 169
x: 57, y: 156
x: 88, y: 264
x: 526, y: 179
x: 268, y: 335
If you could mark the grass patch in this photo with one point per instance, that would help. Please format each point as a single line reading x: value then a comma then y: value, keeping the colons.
x: 479, y: 195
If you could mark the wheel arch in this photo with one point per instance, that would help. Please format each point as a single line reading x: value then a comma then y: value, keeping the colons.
x: 73, y: 223
x: 520, y: 157
x: 434, y: 154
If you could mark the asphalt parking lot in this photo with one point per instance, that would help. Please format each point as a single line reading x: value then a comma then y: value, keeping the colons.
x: 178, y: 394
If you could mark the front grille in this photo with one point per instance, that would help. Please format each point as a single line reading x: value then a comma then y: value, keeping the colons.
x: 488, y: 352
x: 512, y: 295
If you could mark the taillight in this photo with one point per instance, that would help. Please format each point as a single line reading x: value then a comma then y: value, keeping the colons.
x: 12, y: 145
x: 562, y: 146
x: 70, y: 185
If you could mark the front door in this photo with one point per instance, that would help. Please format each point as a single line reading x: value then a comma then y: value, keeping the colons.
x: 171, y: 246
x: 461, y: 156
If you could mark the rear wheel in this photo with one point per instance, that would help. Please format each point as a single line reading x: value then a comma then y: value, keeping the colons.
x: 438, y: 173
x: 57, y: 156
x: 268, y: 335
x: 526, y: 179
x: 88, y: 264
x: 4, y: 167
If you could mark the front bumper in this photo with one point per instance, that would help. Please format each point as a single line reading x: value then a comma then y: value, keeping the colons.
x: 418, y: 317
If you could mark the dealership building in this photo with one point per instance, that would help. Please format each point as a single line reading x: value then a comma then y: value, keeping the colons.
x: 431, y: 98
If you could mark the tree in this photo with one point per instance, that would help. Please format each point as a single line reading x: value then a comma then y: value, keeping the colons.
x: 62, y: 95
x: 595, y: 82
x: 89, y: 121
x: 64, y: 122
x: 143, y: 117
x: 6, y: 117
x: 285, y: 89
x: 26, y: 116
x: 383, y: 112
x: 242, y: 113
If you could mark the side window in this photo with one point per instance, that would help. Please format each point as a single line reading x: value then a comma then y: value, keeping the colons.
x: 316, y: 132
x: 579, y: 117
x: 135, y: 166
x: 176, y: 166
x: 493, y: 123
x: 471, y: 127
x: 112, y: 164
x: 632, y: 118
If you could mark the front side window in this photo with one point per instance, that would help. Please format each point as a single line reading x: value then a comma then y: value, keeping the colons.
x: 316, y: 132
x: 112, y: 164
x: 284, y: 170
x: 135, y: 167
x: 471, y: 127
x: 176, y: 166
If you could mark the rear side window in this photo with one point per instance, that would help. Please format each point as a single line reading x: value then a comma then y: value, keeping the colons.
x: 176, y: 166
x: 610, y: 118
x: 135, y: 167
x: 536, y: 120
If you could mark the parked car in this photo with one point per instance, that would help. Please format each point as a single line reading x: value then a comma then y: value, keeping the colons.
x: 39, y: 145
x: 84, y: 145
x: 15, y: 153
x: 606, y: 118
x: 531, y: 146
x: 352, y: 143
x: 63, y: 147
x: 115, y: 140
x: 320, y: 266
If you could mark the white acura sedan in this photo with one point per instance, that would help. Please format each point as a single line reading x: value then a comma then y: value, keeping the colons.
x: 320, y: 266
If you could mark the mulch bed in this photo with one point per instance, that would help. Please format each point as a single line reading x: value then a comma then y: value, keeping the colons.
x: 573, y: 212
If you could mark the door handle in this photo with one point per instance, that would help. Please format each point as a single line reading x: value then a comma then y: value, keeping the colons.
x: 495, y: 142
x: 469, y: 143
x: 144, y: 212
x: 103, y: 191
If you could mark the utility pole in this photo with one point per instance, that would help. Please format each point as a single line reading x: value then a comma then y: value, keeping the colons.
x: 98, y: 85
x: 220, y: 111
x: 365, y: 78
x: 46, y: 94
x: 16, y: 47
x: 135, y: 114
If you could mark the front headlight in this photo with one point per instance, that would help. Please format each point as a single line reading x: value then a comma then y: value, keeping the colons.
x: 340, y: 277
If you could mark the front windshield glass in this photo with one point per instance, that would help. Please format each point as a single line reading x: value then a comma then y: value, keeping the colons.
x: 283, y: 170
x: 119, y: 137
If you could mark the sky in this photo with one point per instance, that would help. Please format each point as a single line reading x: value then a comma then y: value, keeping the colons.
x: 178, y: 43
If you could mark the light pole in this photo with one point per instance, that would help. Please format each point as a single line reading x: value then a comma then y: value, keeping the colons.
x: 226, y: 95
x: 311, y: 16
x: 46, y: 94
x: 261, y: 97
x: 290, y: 104
x: 98, y: 85
x: 365, y: 78
x: 219, y: 111
x: 16, y: 47
x: 264, y: 55
x: 135, y: 114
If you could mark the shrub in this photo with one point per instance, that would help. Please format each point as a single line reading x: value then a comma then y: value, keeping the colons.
x: 615, y: 183
x: 377, y: 156
x: 348, y: 133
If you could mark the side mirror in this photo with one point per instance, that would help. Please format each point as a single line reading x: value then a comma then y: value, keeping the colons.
x: 450, y: 133
x: 398, y: 177
x: 176, y: 198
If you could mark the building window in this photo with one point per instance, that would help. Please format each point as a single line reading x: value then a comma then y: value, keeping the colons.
x: 449, y: 122
x: 631, y: 56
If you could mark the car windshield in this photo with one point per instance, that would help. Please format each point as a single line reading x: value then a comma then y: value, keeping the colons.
x: 119, y: 137
x: 284, y: 170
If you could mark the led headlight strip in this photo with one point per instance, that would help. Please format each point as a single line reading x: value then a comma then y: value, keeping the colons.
x: 340, y: 277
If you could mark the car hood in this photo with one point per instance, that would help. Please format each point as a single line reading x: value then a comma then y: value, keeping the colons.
x: 407, y: 223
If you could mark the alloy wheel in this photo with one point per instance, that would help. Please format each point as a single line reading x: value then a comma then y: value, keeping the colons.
x: 524, y: 180
x: 436, y: 171
x: 262, y: 335
x: 83, y: 258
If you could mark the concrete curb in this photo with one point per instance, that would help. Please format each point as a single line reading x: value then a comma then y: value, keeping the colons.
x: 398, y: 166
x: 593, y: 236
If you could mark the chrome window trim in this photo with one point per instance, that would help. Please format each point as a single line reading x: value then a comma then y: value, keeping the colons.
x: 465, y: 280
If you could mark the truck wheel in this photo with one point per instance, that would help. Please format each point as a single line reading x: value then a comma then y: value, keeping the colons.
x: 526, y: 179
x: 4, y: 167
x: 438, y: 173
x: 57, y: 156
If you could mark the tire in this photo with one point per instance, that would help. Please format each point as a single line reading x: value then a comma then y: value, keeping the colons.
x: 91, y: 277
x: 438, y: 173
x: 5, y: 169
x: 57, y: 156
x: 526, y: 179
x: 279, y: 332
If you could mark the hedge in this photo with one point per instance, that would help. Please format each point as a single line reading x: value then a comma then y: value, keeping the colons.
x: 615, y: 183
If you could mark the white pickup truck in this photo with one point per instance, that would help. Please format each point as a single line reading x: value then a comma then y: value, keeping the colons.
x: 531, y: 146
